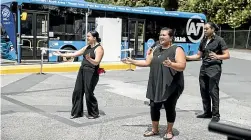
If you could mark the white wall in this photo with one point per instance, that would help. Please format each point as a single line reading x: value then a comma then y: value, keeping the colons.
x: 110, y: 33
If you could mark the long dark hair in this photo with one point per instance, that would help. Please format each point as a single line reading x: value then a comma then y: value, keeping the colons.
x: 96, y: 35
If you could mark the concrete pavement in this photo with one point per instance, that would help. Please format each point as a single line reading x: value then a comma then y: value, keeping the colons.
x: 37, y: 107
x: 41, y: 110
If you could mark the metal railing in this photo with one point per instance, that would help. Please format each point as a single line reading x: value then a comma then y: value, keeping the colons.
x: 237, y: 39
x: 43, y: 51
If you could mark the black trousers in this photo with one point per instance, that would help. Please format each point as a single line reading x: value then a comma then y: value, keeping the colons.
x: 85, y: 84
x: 169, y: 104
x: 209, y: 87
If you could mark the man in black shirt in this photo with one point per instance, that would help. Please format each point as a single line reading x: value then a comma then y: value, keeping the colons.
x: 212, y: 50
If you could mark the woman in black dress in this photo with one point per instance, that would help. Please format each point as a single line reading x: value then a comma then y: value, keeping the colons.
x: 166, y: 80
x: 88, y: 76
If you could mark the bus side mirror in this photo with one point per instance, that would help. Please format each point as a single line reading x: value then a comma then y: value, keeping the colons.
x: 24, y: 16
x: 13, y: 7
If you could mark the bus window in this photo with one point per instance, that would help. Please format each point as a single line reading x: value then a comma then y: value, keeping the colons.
x: 67, y: 26
x: 155, y: 23
x: 26, y: 26
x: 90, y: 27
x: 180, y: 29
x: 57, y: 22
x: 151, y: 30
x: 124, y: 29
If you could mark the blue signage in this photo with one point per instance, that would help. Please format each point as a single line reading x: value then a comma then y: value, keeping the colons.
x: 150, y: 42
x: 8, y: 23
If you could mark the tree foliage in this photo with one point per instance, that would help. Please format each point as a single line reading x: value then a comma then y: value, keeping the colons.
x: 167, y: 4
x: 231, y: 12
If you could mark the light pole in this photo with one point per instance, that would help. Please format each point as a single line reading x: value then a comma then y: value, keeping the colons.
x: 86, y: 23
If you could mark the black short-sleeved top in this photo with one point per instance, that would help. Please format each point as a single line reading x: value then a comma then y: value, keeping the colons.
x: 216, y: 45
x: 163, y: 81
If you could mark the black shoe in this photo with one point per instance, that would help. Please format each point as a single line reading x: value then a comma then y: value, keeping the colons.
x: 92, y: 117
x: 76, y: 116
x: 204, y: 116
x: 215, y: 119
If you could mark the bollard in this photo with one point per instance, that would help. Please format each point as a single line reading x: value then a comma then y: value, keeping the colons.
x: 130, y: 50
x: 42, y: 60
x: 130, y: 69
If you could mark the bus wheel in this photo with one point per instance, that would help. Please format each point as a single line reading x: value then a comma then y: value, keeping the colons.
x: 67, y: 59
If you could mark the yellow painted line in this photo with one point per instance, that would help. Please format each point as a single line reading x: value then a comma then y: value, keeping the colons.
x: 65, y: 67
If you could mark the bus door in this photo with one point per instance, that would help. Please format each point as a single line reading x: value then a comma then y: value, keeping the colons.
x: 34, y: 34
x: 136, y: 37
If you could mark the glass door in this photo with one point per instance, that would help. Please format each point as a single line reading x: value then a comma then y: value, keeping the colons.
x: 34, y: 35
x: 27, y: 37
x: 136, y: 30
x: 41, y: 36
